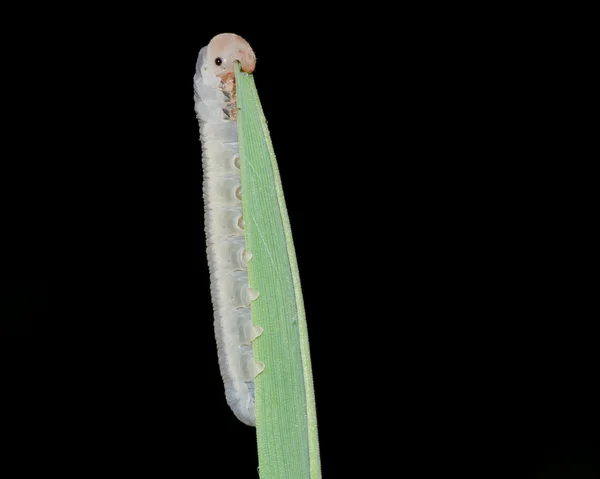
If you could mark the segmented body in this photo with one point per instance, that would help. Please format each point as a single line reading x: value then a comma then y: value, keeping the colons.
x: 215, y: 105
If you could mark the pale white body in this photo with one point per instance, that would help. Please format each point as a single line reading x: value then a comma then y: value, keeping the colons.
x: 227, y: 256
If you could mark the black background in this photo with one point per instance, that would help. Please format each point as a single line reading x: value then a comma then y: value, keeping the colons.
x: 438, y: 243
x: 25, y: 304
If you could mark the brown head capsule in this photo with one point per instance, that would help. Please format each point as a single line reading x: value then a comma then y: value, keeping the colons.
x: 224, y: 50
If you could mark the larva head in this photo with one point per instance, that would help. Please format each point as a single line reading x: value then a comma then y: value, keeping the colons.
x: 224, y: 49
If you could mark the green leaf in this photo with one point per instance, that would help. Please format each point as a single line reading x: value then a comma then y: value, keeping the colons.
x: 286, y: 421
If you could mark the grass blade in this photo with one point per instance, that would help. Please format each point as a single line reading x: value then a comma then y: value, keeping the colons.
x: 286, y: 421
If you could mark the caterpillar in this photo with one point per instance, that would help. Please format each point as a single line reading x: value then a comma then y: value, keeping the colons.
x: 231, y: 295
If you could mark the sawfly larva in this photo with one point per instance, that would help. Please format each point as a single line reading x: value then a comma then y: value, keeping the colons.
x: 215, y: 104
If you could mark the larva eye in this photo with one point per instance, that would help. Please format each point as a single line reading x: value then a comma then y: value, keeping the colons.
x: 218, y: 61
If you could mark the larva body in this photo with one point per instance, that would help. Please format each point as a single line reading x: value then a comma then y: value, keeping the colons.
x: 215, y: 104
